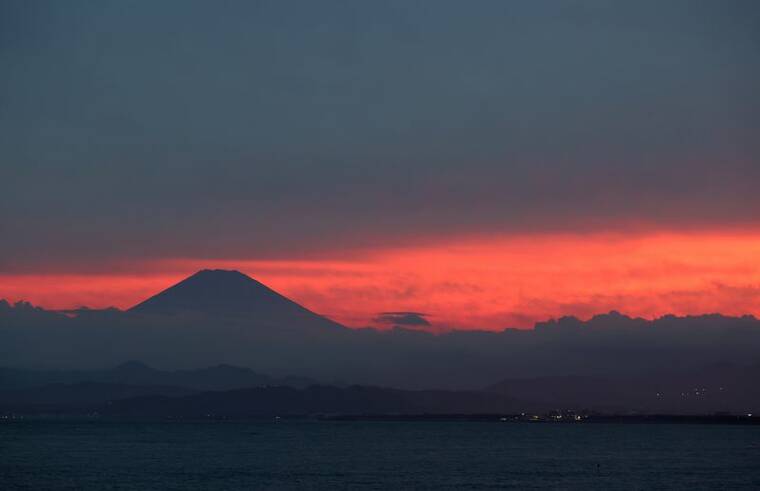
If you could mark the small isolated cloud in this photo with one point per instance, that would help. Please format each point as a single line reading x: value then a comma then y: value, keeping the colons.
x: 415, y: 319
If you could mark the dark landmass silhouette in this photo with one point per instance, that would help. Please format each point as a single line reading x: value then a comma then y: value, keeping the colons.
x: 285, y: 401
x: 215, y: 317
x: 135, y: 373
x: 78, y: 397
x: 720, y: 388
x: 717, y: 388
x: 162, y: 402
x: 230, y: 293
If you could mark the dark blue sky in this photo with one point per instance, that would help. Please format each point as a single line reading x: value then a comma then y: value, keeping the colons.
x: 259, y: 129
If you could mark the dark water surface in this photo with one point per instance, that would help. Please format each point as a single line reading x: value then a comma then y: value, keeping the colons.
x: 378, y: 455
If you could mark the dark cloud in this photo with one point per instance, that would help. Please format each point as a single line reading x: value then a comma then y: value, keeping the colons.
x: 416, y: 319
x: 276, y: 128
x: 602, y: 346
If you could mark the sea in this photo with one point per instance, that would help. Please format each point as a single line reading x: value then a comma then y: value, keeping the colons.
x: 316, y: 454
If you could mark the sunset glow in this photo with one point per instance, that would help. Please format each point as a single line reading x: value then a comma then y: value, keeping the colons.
x: 485, y: 282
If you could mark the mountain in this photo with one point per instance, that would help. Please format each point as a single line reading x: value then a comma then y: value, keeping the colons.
x: 37, y: 391
x: 220, y: 292
x: 138, y: 374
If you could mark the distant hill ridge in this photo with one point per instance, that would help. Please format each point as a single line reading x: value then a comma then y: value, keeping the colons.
x: 136, y: 373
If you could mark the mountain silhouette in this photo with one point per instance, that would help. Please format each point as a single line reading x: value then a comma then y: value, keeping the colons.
x: 220, y: 292
x: 136, y: 374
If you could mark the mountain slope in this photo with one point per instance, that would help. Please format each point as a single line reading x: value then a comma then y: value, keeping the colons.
x: 229, y: 293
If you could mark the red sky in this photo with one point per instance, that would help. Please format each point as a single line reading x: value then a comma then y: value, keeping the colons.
x: 487, y: 282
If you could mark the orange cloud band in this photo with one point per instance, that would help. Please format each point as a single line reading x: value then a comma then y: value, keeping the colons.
x: 483, y: 282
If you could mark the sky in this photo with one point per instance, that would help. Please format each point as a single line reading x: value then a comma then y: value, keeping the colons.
x: 486, y: 163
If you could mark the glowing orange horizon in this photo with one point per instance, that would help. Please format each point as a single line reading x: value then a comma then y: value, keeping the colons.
x: 484, y: 282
